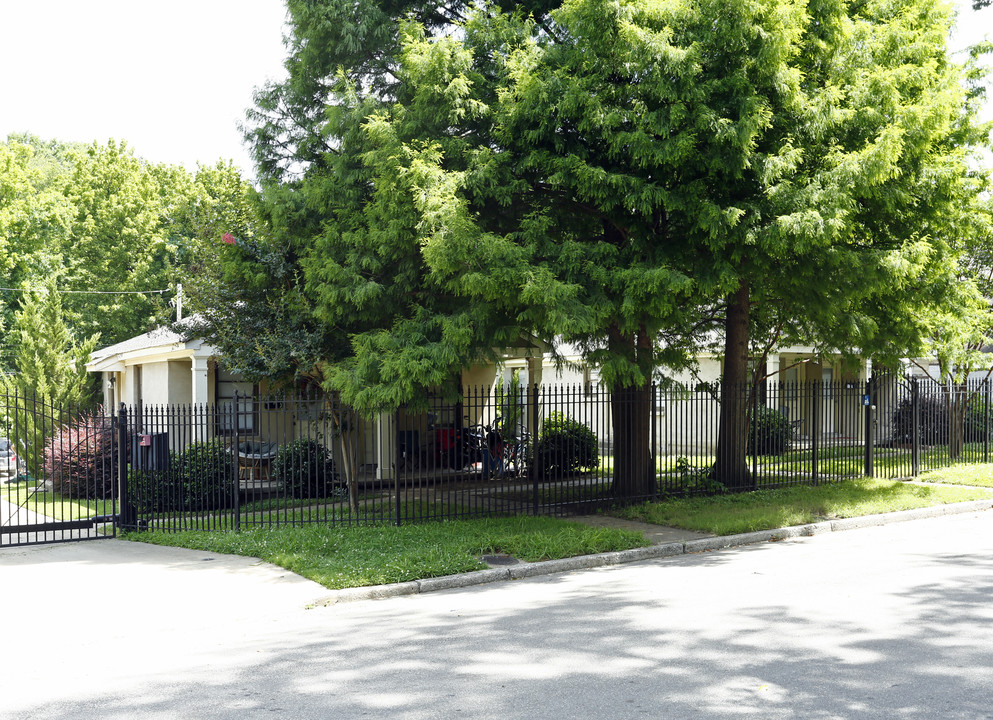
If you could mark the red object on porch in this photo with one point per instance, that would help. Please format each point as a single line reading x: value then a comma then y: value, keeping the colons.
x: 445, y: 439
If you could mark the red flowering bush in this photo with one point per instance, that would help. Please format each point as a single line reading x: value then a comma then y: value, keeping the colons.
x: 80, y: 459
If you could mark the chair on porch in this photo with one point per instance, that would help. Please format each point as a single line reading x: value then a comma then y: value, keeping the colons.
x: 255, y: 460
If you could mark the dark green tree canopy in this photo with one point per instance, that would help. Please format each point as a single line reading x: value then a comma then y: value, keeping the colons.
x: 635, y: 177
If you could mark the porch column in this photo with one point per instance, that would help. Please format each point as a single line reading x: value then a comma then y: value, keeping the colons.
x: 109, y: 388
x: 533, y: 413
x: 199, y: 398
x: 199, y: 395
x: 385, y: 446
x: 772, y: 399
x: 535, y: 365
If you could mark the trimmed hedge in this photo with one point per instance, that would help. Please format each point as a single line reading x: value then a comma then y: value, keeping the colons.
x: 770, y: 432
x: 306, y: 469
x: 933, y: 421
x: 201, y: 478
x: 564, y: 446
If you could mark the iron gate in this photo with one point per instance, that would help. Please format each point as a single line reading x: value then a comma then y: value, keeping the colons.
x: 59, y: 473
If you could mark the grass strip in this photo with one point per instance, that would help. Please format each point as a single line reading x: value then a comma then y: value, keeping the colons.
x: 342, y: 557
x: 976, y: 475
x: 800, y: 505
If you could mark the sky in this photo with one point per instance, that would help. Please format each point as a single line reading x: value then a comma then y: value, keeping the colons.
x: 172, y: 79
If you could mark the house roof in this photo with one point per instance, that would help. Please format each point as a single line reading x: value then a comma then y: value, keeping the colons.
x: 161, y: 342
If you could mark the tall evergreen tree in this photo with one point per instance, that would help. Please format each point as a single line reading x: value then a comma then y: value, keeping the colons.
x: 631, y: 176
x: 49, y: 383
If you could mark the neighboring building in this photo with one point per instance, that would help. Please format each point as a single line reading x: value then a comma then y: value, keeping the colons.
x: 689, y: 419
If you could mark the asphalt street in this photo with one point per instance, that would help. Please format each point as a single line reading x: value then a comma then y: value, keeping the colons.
x: 885, y: 622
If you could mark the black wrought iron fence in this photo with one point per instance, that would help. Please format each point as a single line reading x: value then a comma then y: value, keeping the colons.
x: 58, y: 472
x: 556, y: 449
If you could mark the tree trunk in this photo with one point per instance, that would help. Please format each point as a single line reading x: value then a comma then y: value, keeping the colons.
x: 630, y: 412
x: 344, y: 427
x: 731, y: 466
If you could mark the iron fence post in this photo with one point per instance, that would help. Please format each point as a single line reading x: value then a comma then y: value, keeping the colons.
x: 986, y: 419
x: 532, y: 471
x: 128, y: 515
x: 870, y: 389
x: 655, y: 450
x: 815, y: 431
x: 395, y: 436
x: 236, y: 464
x: 915, y: 428
x: 755, y: 434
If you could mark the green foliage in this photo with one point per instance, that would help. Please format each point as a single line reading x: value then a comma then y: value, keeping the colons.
x: 199, y: 478
x: 207, y: 472
x: 80, y: 461
x: 306, y: 469
x: 564, y: 446
x: 770, y: 432
x: 152, y: 491
x: 694, y: 480
x: 510, y: 401
x: 118, y: 240
x: 50, y: 382
x: 934, y: 421
x: 100, y: 221
x: 442, y: 179
x: 801, y: 505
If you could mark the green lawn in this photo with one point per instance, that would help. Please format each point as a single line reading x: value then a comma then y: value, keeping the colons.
x: 352, y: 556
x: 976, y: 475
x: 53, y: 505
x: 800, y: 505
x: 343, y: 557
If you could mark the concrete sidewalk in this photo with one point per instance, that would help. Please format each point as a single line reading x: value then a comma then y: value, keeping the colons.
x: 129, y: 582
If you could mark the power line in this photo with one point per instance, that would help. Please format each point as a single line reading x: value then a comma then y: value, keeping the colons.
x: 90, y: 292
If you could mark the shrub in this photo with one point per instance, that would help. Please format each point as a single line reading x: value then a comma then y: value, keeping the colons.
x: 564, y: 446
x: 933, y: 421
x: 153, y: 491
x: 770, y: 432
x: 306, y: 469
x: 976, y: 425
x: 200, y: 479
x: 80, y: 460
x: 206, y: 471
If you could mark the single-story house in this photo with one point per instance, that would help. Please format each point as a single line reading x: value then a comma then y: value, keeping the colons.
x: 174, y: 379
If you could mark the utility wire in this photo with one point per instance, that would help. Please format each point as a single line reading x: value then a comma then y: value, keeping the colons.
x: 91, y: 292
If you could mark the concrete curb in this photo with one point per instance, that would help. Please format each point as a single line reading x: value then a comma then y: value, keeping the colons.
x: 653, y: 552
